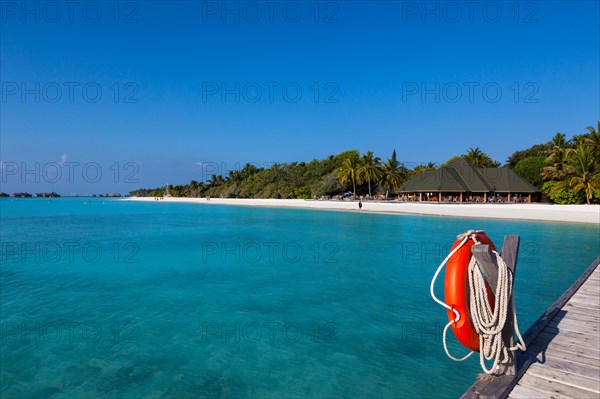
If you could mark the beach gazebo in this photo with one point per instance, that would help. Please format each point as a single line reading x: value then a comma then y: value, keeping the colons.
x: 461, y: 181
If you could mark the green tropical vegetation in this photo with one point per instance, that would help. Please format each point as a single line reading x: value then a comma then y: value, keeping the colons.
x: 393, y: 174
x: 480, y: 159
x: 566, y: 170
x: 345, y: 172
x: 424, y: 167
x: 531, y: 169
x: 370, y: 169
x: 473, y: 155
x: 570, y: 171
x: 348, y: 171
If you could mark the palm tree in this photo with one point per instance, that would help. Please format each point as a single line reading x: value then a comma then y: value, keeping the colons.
x: 556, y: 165
x: 592, y: 129
x: 248, y: 170
x: 593, y: 139
x: 421, y: 168
x: 393, y: 175
x: 370, y: 168
x: 194, y: 185
x: 583, y: 168
x: 557, y: 158
x: 480, y: 158
x: 558, y: 141
x: 215, y: 180
x: 474, y: 155
x: 234, y: 176
x: 348, y: 171
x: 488, y: 162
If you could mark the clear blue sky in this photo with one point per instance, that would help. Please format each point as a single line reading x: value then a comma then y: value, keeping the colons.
x: 390, y: 72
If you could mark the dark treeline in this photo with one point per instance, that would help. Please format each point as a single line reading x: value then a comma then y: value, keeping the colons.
x: 568, y: 171
x: 50, y: 195
x: 27, y: 195
x: 281, y: 180
x: 347, y: 173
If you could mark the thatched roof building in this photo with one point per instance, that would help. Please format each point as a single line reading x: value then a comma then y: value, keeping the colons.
x: 461, y: 181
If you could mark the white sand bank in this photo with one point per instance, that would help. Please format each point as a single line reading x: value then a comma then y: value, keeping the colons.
x: 542, y: 212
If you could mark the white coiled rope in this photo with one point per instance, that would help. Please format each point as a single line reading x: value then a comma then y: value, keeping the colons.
x: 488, y: 322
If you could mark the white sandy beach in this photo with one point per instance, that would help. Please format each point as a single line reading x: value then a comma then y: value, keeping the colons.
x: 540, y: 212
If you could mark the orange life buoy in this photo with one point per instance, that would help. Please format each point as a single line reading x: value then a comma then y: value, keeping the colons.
x: 456, y: 291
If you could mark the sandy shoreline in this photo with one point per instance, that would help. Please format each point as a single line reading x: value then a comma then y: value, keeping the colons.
x: 539, y: 212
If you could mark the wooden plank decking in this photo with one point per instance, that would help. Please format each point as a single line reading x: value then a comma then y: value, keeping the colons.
x: 567, y: 350
x: 563, y: 350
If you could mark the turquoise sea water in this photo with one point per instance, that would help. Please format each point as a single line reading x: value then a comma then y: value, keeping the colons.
x: 109, y: 298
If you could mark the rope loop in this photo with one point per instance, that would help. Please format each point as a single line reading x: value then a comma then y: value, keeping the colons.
x: 488, y: 322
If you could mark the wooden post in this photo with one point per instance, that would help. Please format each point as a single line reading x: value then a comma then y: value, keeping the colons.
x: 510, y: 252
x: 484, y: 197
x: 420, y: 197
x: 508, y: 196
x: 485, y: 258
x: 461, y: 196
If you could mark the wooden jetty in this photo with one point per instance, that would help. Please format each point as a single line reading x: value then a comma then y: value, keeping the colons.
x: 562, y: 359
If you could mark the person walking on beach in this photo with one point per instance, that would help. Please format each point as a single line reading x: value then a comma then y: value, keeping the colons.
x: 359, y: 205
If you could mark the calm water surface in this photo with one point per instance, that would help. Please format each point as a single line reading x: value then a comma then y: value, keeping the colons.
x: 109, y: 298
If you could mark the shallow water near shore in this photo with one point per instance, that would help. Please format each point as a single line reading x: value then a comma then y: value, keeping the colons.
x: 110, y: 298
